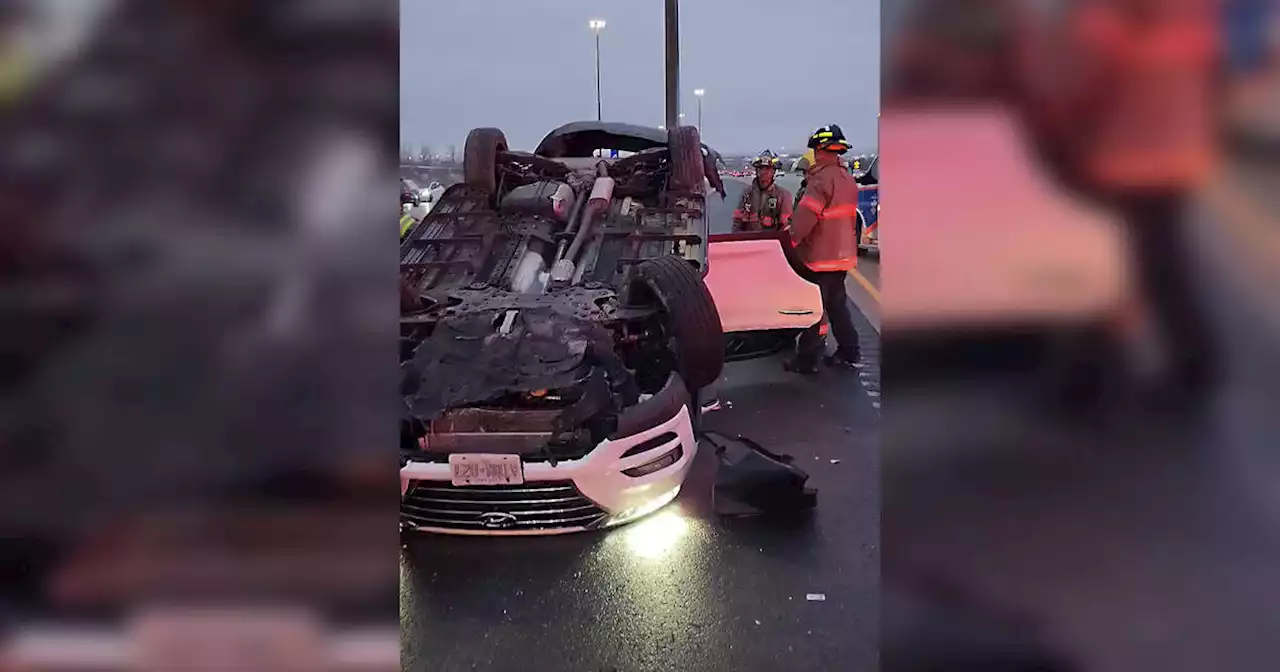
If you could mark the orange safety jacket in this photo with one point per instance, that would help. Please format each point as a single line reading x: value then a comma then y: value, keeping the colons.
x: 1140, y: 115
x: 763, y: 208
x: 824, y: 226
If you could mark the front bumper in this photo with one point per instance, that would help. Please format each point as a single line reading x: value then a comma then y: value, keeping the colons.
x: 574, y: 495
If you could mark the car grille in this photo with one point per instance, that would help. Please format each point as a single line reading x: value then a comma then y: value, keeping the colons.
x: 539, y: 505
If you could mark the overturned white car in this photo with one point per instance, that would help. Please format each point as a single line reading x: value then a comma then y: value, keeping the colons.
x: 557, y: 326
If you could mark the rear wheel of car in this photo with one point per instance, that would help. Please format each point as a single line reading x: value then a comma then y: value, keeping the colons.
x: 692, y: 321
x: 480, y: 158
x: 687, y: 166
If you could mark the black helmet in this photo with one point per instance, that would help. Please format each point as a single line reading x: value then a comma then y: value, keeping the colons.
x: 829, y: 138
x: 765, y: 159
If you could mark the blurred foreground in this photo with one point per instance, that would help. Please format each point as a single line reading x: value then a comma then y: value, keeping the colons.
x: 1079, y: 448
x: 197, y: 331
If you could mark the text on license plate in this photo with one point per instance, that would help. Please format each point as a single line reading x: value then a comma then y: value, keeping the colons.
x: 486, y: 469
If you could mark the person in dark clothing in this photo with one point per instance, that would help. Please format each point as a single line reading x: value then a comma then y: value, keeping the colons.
x: 1163, y: 256
x: 812, y: 343
x: 823, y: 232
x: 1144, y: 166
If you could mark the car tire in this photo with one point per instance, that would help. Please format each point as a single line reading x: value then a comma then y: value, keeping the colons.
x: 687, y: 166
x: 693, y: 322
x: 480, y: 159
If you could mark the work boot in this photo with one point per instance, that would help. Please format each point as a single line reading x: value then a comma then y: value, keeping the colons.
x: 801, y: 365
x: 842, y: 360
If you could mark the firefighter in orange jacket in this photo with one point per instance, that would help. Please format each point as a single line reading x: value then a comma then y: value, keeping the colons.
x: 823, y: 234
x: 1138, y: 134
x: 765, y: 206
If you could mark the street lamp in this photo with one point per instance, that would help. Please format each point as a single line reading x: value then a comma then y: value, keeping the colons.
x: 596, y: 26
x: 671, y: 44
x: 698, y: 94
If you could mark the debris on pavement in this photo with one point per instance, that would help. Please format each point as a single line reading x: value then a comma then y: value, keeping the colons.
x: 816, y: 597
x: 750, y: 480
x: 835, y: 461
x: 715, y: 405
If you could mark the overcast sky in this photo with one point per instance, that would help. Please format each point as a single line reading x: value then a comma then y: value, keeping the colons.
x: 773, y: 70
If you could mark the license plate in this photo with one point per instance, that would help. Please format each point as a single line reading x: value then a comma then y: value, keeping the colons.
x: 226, y: 640
x: 486, y: 470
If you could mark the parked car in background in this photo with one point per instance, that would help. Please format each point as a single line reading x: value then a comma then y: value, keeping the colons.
x: 865, y: 170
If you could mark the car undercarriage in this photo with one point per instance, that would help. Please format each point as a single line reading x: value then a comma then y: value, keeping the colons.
x: 554, y: 300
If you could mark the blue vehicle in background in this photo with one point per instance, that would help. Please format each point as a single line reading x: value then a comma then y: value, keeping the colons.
x: 1251, y: 32
x: 866, y: 174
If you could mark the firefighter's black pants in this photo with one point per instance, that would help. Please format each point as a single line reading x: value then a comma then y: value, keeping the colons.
x: 835, y: 308
x: 1163, y: 255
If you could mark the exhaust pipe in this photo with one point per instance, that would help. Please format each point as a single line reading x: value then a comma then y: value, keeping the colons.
x: 597, y: 204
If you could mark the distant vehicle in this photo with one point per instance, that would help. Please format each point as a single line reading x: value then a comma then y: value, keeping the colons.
x: 424, y: 199
x: 429, y: 194
x: 863, y: 168
x: 865, y: 171
x: 868, y: 221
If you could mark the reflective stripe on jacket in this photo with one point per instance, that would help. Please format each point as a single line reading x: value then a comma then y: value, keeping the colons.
x: 1156, y: 128
x: 762, y: 209
x: 1124, y: 89
x: 824, y: 226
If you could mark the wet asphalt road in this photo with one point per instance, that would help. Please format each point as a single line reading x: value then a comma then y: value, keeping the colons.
x: 680, y: 590
x: 1140, y: 540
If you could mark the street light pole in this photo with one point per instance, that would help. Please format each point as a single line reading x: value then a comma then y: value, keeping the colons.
x: 672, y: 39
x: 698, y: 93
x: 596, y: 25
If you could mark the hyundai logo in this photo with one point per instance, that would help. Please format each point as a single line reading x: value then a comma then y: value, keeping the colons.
x: 495, y: 520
